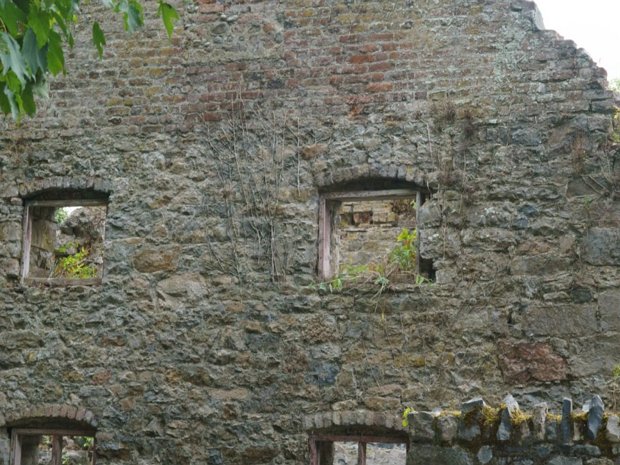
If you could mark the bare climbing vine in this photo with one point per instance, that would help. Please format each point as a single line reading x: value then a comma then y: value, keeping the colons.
x: 252, y: 157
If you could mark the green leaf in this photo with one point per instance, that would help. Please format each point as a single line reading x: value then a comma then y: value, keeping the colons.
x: 66, y: 8
x: 13, y: 83
x: 35, y: 57
x: 55, y: 55
x: 168, y: 15
x: 41, y: 87
x: 28, y: 101
x: 132, y: 14
x: 13, y: 107
x: 61, y: 21
x: 5, y: 105
x: 12, y: 59
x: 98, y: 38
x: 11, y: 17
x: 40, y: 23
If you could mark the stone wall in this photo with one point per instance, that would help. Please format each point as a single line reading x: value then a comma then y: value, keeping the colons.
x: 479, y: 434
x: 210, y: 338
x: 368, y: 231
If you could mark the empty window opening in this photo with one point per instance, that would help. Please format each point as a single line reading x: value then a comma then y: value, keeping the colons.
x: 52, y: 447
x: 373, y: 233
x: 63, y: 240
x: 362, y: 450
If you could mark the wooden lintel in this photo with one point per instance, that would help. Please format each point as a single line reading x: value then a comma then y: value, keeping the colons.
x: 385, y: 194
x: 67, y: 203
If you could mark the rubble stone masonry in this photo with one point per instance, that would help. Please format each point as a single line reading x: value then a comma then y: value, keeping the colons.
x: 210, y: 339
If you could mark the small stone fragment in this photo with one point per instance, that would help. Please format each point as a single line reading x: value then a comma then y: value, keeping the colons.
x: 613, y: 429
x: 505, y: 424
x: 485, y: 455
x: 539, y: 420
x: 469, y: 431
x: 595, y: 417
x: 477, y: 403
x: 577, y: 436
x: 423, y: 425
x: 448, y: 427
x: 511, y: 404
x: 566, y: 425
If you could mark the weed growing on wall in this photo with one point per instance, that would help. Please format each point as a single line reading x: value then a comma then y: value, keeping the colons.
x: 401, y: 260
x: 613, y: 386
x: 403, y: 255
x: 73, y: 265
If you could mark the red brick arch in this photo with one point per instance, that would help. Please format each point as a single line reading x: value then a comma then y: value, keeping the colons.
x: 352, y: 418
x: 48, y: 413
x: 37, y: 186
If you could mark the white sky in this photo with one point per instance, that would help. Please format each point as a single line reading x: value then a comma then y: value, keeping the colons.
x: 593, y: 24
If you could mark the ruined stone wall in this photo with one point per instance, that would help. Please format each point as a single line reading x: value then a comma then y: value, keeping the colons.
x: 209, y: 337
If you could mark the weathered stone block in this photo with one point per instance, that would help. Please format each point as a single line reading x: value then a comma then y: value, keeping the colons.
x: 151, y: 260
x: 601, y: 246
x: 612, y: 430
x: 561, y: 320
x: 422, y: 426
x: 425, y: 455
x: 524, y: 362
x: 561, y: 460
x: 608, y: 304
x: 448, y: 427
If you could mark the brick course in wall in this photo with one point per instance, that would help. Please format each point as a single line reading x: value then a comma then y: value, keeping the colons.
x: 210, y: 339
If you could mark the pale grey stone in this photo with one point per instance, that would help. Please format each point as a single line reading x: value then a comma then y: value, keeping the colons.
x: 539, y: 421
x: 612, y: 430
x: 595, y: 416
x: 485, y: 455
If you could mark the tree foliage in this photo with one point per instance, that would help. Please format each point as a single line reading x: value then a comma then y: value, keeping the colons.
x: 34, y: 35
x: 615, y: 85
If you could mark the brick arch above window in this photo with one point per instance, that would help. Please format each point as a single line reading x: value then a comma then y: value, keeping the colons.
x: 393, y: 174
x: 48, y: 433
x: 40, y: 187
x: 50, y: 415
x: 64, y: 226
x: 359, y: 437
x: 353, y: 418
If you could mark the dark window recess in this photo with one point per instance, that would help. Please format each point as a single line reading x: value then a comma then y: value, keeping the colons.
x: 63, y: 239
x: 372, y: 232
x: 357, y: 450
x: 52, y: 447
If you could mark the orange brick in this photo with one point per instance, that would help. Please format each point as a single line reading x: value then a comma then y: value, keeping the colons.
x: 379, y: 87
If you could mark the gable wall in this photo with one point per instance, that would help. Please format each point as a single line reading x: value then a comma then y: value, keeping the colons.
x: 214, y: 149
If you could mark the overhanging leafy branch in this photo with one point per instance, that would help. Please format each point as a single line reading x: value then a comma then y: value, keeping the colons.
x: 33, y: 36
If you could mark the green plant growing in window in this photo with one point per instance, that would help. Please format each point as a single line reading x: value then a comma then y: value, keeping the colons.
x: 75, y: 266
x: 60, y: 215
x: 86, y: 442
x: 404, y: 254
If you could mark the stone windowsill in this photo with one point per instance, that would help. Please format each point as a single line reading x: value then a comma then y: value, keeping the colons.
x: 61, y: 282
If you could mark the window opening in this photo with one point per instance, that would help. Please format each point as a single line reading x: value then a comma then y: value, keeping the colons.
x: 52, y: 447
x: 63, y: 240
x: 372, y: 232
x: 357, y: 450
